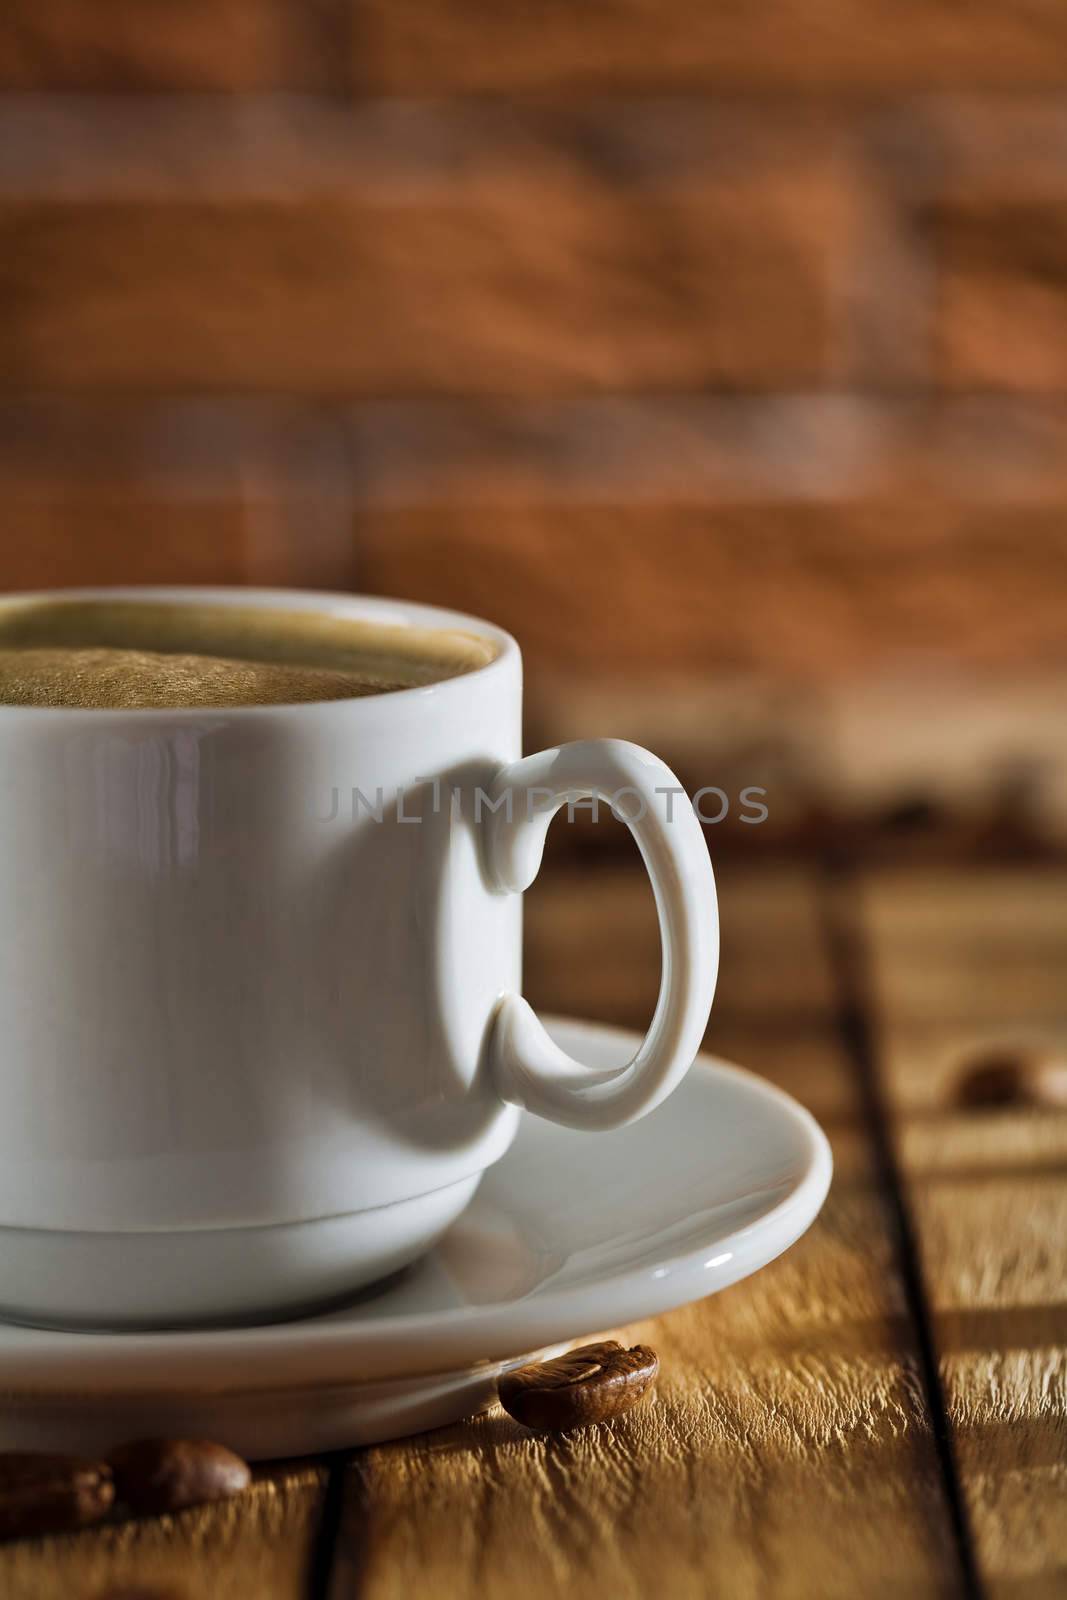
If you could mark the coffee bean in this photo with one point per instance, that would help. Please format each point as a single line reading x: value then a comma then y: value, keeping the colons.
x: 50, y: 1493
x: 1014, y: 1078
x: 153, y: 1475
x: 591, y: 1384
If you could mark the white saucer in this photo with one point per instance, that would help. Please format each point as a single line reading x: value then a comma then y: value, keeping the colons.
x: 570, y: 1234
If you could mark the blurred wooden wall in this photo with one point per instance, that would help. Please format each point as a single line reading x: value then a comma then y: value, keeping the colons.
x: 702, y: 345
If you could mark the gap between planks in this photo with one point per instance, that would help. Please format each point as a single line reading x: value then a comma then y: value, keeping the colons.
x: 848, y: 955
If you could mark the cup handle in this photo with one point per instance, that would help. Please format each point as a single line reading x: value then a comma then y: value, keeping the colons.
x: 528, y: 1068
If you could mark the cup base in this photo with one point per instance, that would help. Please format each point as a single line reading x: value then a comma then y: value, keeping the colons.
x: 204, y: 1277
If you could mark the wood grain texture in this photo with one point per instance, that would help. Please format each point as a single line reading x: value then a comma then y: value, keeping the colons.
x: 789, y: 44
x: 99, y: 492
x: 592, y: 949
x: 981, y: 950
x: 995, y: 223
x: 172, y: 44
x: 825, y: 590
x: 56, y: 541
x: 788, y: 1443
x: 599, y: 929
x: 471, y: 45
x: 255, y: 533
x: 1002, y: 294
x: 992, y: 1215
x: 988, y: 1192
x: 615, y: 287
x: 257, y: 1547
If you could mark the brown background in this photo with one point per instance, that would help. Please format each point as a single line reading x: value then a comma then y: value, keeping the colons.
x: 720, y: 351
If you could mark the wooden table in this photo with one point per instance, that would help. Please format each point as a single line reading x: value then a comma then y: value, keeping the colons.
x: 881, y: 1412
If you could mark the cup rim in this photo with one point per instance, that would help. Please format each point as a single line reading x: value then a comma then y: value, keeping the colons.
x: 387, y: 610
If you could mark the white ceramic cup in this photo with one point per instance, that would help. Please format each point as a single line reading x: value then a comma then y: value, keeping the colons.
x: 260, y: 987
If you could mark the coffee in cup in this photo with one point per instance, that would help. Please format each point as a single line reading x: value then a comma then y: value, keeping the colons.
x: 153, y: 654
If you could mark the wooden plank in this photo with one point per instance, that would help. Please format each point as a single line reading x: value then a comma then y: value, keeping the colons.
x: 592, y: 950
x: 58, y: 540
x: 71, y: 536
x: 981, y: 950
x: 261, y: 1544
x: 431, y: 45
x: 995, y: 221
x: 600, y: 929
x: 173, y: 44
x: 470, y: 45
x: 787, y: 1451
x: 991, y: 1205
x: 1003, y: 267
x: 823, y: 589
x: 986, y: 952
x: 173, y: 493
x: 735, y: 279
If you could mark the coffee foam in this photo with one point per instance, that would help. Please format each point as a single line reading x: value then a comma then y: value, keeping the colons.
x: 145, y: 654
